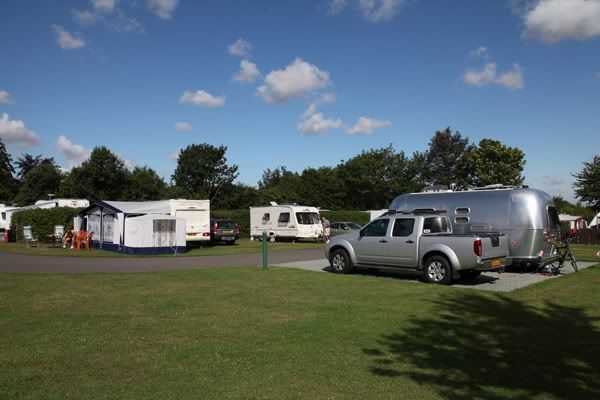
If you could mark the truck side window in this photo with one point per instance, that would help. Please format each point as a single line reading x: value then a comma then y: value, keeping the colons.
x: 284, y: 218
x: 377, y: 228
x: 435, y: 225
x: 403, y: 227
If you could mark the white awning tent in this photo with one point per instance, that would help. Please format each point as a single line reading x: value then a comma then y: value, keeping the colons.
x: 595, y: 221
x: 575, y: 221
x: 133, y: 227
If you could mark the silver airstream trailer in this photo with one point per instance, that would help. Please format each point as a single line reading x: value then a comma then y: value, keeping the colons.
x: 526, y: 216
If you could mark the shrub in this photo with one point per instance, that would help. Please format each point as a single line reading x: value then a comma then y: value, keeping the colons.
x: 42, y: 220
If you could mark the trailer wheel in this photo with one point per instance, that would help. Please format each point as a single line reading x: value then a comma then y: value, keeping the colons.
x: 340, y: 262
x: 437, y: 270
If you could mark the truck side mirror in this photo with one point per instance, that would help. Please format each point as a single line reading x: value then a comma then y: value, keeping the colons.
x: 362, y: 232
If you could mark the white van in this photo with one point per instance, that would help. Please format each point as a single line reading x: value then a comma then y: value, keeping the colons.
x: 197, y: 218
x: 285, y: 221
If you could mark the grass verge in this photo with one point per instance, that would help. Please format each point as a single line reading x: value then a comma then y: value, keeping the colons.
x: 242, y: 333
x: 241, y: 246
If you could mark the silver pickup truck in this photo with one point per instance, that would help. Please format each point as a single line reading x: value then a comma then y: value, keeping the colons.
x: 421, y: 242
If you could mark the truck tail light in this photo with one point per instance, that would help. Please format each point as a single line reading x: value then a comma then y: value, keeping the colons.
x: 477, y: 249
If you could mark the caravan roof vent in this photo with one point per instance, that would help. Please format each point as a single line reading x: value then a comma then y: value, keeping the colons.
x: 273, y: 203
x: 436, y: 188
x: 494, y: 186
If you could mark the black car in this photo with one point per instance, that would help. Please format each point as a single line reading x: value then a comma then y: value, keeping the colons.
x: 224, y: 230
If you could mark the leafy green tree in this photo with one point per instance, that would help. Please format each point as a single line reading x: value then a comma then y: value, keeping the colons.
x: 7, y: 180
x: 443, y: 161
x: 202, y: 170
x: 373, y: 178
x: 492, y: 162
x: 143, y: 183
x: 28, y: 162
x: 235, y: 196
x: 565, y: 207
x: 42, y: 180
x: 102, y: 176
x: 587, y: 183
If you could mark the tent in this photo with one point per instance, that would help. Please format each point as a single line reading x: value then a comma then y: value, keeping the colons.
x: 595, y: 221
x: 133, y: 227
x: 575, y: 222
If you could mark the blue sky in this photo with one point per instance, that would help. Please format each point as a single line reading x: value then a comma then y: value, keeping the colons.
x: 321, y: 80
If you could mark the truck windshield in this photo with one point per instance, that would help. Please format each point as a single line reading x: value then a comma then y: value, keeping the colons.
x: 553, y: 217
x: 307, y: 218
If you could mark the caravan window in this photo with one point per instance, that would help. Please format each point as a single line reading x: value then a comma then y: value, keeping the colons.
x: 266, y: 218
x: 553, y: 217
x: 462, y: 210
x: 108, y: 223
x: 284, y: 218
x: 163, y: 226
x: 307, y: 218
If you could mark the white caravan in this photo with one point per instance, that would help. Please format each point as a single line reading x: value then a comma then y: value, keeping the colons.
x: 6, y: 212
x: 285, y: 221
x: 197, y: 218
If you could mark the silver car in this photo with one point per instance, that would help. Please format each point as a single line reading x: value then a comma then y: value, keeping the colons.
x: 338, y: 228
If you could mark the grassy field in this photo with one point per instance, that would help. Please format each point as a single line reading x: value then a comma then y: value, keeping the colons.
x: 586, y: 252
x: 241, y: 246
x: 242, y: 333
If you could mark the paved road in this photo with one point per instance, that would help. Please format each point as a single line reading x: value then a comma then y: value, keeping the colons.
x: 26, y: 263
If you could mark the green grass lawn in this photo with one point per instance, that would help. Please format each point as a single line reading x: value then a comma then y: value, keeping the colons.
x: 242, y: 333
x: 241, y: 246
x: 586, y: 252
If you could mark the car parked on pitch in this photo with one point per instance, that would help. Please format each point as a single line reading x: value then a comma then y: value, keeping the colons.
x: 224, y: 230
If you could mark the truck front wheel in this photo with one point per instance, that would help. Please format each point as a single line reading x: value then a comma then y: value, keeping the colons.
x: 437, y: 270
x: 340, y: 262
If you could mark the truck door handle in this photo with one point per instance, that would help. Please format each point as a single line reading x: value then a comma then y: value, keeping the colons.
x: 383, y: 241
x: 410, y: 241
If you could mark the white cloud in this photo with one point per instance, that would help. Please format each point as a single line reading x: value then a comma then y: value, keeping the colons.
x: 5, y: 98
x: 66, y: 40
x: 85, y: 17
x: 336, y: 6
x: 296, y: 79
x: 183, y: 127
x: 163, y: 8
x: 15, y: 132
x: 554, y: 20
x: 480, y: 52
x: 380, y: 10
x: 367, y: 126
x: 104, y: 6
x: 175, y: 155
x: 512, y: 79
x: 248, y: 72
x: 75, y: 154
x: 554, y: 180
x: 201, y: 98
x: 325, y: 98
x: 240, y: 48
x: 317, y: 123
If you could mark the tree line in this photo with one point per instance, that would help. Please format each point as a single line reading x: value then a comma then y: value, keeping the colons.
x: 369, y: 180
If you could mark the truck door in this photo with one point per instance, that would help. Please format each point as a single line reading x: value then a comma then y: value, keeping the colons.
x: 372, y: 242
x: 402, y: 247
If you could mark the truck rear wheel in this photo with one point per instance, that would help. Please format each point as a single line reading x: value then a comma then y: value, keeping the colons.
x: 340, y: 262
x: 437, y: 270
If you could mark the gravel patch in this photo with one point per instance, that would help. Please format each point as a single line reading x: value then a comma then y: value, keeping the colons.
x: 490, y: 281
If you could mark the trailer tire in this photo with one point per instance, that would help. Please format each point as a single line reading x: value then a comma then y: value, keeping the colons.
x: 340, y: 262
x: 437, y: 270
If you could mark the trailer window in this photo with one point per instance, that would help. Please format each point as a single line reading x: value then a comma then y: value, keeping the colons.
x: 462, y: 210
x: 307, y: 218
x: 435, y: 225
x: 403, y: 227
x: 461, y: 220
x: 376, y: 228
x: 284, y: 218
x: 266, y: 218
x: 553, y: 217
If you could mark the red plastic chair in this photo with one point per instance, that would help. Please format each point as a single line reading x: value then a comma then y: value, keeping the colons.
x: 88, y: 241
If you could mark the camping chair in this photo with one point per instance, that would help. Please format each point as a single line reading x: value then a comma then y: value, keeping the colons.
x: 57, y: 236
x: 30, y: 240
x: 80, y: 239
x: 88, y: 242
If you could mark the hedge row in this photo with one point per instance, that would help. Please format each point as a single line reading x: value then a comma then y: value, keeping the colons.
x: 242, y: 217
x: 42, y: 220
